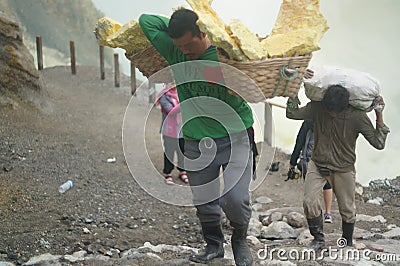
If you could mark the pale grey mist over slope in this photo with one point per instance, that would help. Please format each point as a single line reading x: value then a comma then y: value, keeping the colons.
x: 364, y: 35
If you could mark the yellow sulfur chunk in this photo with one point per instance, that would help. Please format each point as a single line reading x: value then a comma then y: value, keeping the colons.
x: 289, y: 44
x: 246, y: 40
x: 300, y: 25
x: 299, y: 14
x: 214, y: 27
x: 104, y: 28
x: 129, y: 37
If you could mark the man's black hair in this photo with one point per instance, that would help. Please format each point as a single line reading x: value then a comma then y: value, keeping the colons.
x: 182, y: 21
x: 336, y: 98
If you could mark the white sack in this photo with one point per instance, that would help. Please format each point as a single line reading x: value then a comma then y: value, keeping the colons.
x: 363, y: 88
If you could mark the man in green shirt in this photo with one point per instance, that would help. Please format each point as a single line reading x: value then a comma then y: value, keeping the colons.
x: 217, y: 128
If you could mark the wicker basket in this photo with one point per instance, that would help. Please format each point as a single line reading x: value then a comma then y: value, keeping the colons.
x: 256, y: 80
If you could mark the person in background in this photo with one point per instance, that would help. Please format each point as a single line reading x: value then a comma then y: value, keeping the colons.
x: 303, y: 150
x: 336, y: 128
x: 217, y: 128
x: 171, y: 125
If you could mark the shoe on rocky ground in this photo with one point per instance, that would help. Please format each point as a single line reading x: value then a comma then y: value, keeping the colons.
x: 168, y: 179
x: 209, y: 253
x: 183, y: 177
x: 328, y: 218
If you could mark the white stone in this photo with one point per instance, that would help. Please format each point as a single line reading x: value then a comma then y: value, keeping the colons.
x: 375, y: 230
x: 296, y: 219
x: 77, y: 256
x: 257, y: 207
x: 305, y: 238
x: 264, y: 200
x: 394, y: 233
x: 391, y: 226
x: 254, y: 227
x: 162, y: 248
x: 228, y: 252
x: 273, y: 217
x: 377, y: 201
x: 368, y: 218
x: 153, y: 256
x: 96, y: 257
x: 45, y: 259
x: 373, y: 201
x: 359, y: 189
x: 3, y: 263
x: 278, y: 230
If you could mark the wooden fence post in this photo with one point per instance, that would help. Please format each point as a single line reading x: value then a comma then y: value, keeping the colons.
x: 39, y: 52
x: 102, y: 72
x: 116, y: 70
x: 152, y: 92
x: 73, y: 58
x: 133, y: 79
x: 268, y: 124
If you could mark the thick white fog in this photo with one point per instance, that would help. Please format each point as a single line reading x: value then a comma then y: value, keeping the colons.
x: 366, y: 39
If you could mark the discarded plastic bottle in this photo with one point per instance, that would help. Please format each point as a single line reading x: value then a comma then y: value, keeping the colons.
x: 111, y: 160
x: 66, y: 186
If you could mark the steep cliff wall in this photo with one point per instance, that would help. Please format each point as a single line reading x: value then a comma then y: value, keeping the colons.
x: 58, y: 22
x: 19, y: 78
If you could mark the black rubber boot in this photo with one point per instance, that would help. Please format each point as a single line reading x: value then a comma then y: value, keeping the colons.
x: 241, y: 250
x: 214, y: 249
x: 317, y: 231
x: 348, y: 229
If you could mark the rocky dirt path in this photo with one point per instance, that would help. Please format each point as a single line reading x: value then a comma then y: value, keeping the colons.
x: 107, y: 218
x: 72, y: 138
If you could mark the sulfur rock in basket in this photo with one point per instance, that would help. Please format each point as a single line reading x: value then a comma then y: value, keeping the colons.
x: 247, y: 40
x: 128, y: 36
x: 105, y: 27
x: 216, y: 30
x: 298, y: 28
x: 291, y: 43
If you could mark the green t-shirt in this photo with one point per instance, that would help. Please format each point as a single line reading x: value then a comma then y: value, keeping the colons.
x: 208, y: 110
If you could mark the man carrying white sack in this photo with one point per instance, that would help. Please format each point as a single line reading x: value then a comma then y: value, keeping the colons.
x: 336, y: 128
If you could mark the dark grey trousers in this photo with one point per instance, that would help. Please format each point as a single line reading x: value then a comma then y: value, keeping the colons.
x: 173, y: 146
x: 213, y: 189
